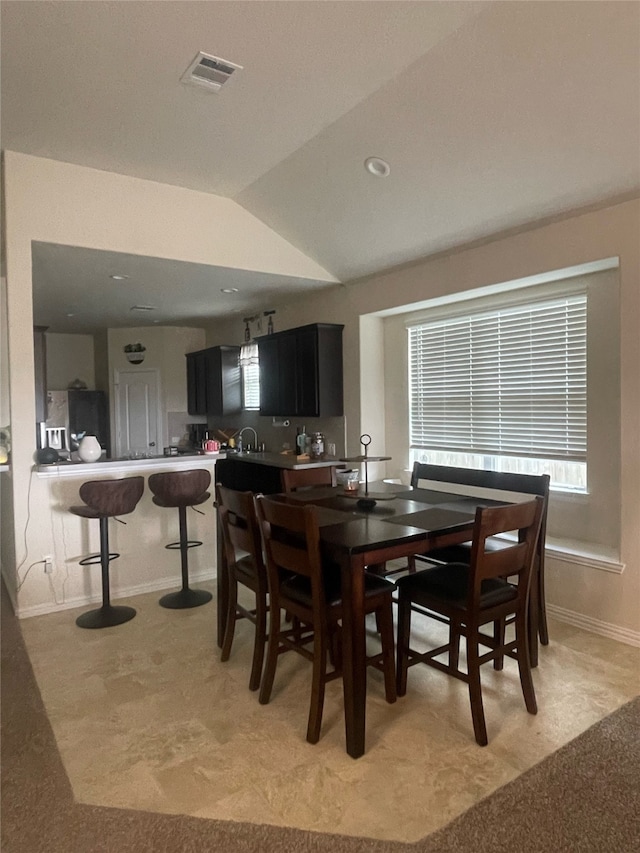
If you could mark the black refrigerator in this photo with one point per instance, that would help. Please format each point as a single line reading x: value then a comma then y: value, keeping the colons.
x: 77, y: 411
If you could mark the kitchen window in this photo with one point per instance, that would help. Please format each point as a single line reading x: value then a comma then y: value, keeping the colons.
x: 250, y: 366
x: 503, y: 389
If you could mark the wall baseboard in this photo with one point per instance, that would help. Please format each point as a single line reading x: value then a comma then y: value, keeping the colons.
x: 595, y: 626
x: 162, y: 584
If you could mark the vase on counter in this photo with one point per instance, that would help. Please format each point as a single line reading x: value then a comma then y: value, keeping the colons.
x: 89, y: 449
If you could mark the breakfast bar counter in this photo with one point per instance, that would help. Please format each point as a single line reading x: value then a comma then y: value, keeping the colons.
x: 124, y: 466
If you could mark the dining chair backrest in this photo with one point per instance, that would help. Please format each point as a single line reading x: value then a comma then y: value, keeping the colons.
x: 306, y: 478
x: 240, y: 528
x: 502, y: 481
x: 528, y: 484
x: 292, y: 544
x: 517, y: 558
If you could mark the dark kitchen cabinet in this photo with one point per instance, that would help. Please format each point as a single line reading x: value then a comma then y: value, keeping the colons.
x: 213, y: 381
x: 301, y: 372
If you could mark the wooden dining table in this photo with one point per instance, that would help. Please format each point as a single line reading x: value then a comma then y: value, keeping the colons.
x: 403, y: 522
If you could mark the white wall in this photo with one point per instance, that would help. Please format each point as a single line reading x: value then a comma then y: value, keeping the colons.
x: 595, y: 597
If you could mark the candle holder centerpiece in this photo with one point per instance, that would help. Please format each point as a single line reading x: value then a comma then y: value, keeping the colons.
x: 365, y: 498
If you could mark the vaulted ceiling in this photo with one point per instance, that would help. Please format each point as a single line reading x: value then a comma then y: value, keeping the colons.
x: 491, y: 115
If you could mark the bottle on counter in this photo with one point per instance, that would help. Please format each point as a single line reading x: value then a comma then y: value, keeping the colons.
x: 317, y: 445
x: 301, y: 440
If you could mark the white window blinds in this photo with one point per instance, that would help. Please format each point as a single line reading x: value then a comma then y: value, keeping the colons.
x: 511, y: 381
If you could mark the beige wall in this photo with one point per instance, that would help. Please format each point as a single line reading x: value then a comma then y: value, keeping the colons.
x: 7, y: 549
x: 165, y: 350
x: 69, y: 357
x: 56, y: 202
x: 4, y: 356
x: 101, y: 359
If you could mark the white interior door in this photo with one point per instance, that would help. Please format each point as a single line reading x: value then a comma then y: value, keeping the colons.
x: 137, y: 415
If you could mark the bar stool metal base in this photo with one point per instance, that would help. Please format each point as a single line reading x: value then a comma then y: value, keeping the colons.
x: 185, y: 598
x: 106, y: 616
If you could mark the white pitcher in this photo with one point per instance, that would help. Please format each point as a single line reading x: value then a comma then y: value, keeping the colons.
x: 89, y: 449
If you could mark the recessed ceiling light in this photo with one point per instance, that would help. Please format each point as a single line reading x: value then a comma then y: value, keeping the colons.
x: 119, y: 277
x: 71, y: 315
x: 377, y: 166
x: 228, y: 290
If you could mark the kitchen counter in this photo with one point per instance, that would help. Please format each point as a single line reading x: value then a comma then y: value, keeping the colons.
x: 280, y: 460
x: 108, y: 467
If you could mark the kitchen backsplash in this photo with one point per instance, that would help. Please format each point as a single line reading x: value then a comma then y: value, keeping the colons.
x: 276, y: 437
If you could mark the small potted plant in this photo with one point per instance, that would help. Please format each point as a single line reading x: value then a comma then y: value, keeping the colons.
x: 135, y: 353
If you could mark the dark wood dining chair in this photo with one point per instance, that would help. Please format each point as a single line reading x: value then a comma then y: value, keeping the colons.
x: 470, y: 596
x: 242, y: 545
x: 307, y: 478
x: 526, y: 484
x: 309, y: 588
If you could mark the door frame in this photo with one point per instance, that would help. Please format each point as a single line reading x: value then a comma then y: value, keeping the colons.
x: 117, y: 372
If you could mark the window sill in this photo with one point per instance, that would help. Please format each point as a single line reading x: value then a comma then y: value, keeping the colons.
x: 581, y: 553
x: 584, y: 554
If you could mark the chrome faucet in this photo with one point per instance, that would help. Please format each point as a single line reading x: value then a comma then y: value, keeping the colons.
x: 255, y: 438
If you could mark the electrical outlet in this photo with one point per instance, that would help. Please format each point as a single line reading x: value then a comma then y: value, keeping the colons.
x: 48, y: 565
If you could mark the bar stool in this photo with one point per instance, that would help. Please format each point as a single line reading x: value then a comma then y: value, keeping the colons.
x: 105, y: 499
x: 182, y: 489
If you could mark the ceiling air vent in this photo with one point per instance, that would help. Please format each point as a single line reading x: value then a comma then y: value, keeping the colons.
x: 209, y: 72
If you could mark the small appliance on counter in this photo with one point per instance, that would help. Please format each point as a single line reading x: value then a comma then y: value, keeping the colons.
x: 197, y: 434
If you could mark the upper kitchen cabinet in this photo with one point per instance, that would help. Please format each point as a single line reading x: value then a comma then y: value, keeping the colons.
x: 301, y: 372
x: 213, y: 381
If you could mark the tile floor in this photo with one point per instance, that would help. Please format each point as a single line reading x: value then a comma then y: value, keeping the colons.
x: 146, y: 717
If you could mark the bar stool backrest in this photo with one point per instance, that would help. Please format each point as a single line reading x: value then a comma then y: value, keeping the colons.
x: 112, y: 497
x: 180, y: 488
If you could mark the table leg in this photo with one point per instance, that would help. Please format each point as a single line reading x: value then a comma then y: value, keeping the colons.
x: 354, y: 654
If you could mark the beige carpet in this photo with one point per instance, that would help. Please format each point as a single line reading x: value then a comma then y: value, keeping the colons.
x: 585, y: 797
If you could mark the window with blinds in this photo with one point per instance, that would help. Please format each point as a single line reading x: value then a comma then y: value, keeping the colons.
x: 250, y: 367
x: 504, y: 382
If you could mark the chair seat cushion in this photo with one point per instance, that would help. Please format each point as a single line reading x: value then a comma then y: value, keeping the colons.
x: 245, y: 568
x: 85, y: 511
x: 298, y: 588
x: 450, y: 583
